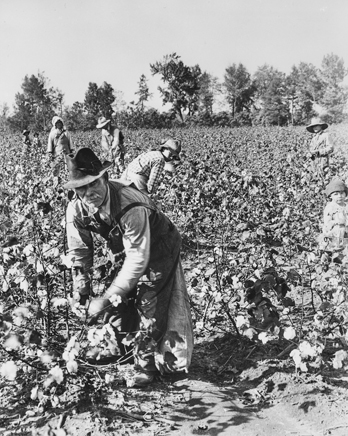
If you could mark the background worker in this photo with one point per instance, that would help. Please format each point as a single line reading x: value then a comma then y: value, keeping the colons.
x: 59, y: 144
x: 112, y: 141
x: 320, y: 146
x: 25, y: 137
x: 36, y: 141
x: 146, y: 170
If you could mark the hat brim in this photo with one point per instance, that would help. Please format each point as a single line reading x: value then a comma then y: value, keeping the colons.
x: 175, y: 152
x: 73, y: 184
x: 101, y: 125
x: 310, y: 127
x: 331, y: 191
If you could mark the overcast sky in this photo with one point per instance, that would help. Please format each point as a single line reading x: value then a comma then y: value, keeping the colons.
x: 74, y: 42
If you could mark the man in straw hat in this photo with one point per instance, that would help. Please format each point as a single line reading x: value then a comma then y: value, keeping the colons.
x: 320, y: 146
x: 146, y: 170
x: 148, y: 296
x: 112, y: 141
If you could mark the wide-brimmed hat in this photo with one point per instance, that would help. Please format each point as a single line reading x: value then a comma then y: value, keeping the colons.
x: 84, y: 167
x: 102, y: 121
x: 25, y: 132
x: 316, y: 122
x: 173, y: 145
x: 55, y: 119
x: 336, y: 185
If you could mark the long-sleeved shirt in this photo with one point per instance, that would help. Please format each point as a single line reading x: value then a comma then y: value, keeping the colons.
x: 335, y: 227
x: 112, y: 141
x: 320, y: 147
x: 59, y: 142
x: 150, y: 165
x: 335, y: 216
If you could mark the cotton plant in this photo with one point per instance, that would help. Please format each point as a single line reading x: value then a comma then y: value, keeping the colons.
x: 307, y: 355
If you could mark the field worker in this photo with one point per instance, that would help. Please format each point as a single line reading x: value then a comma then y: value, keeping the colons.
x: 36, y: 140
x: 112, y: 141
x: 335, y: 228
x: 150, y: 285
x: 25, y: 138
x: 320, y: 146
x: 59, y: 144
x: 146, y: 170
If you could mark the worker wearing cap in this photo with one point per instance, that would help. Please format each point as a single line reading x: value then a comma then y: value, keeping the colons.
x: 146, y: 170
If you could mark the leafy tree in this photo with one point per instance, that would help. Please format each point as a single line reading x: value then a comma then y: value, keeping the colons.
x: 98, y: 101
x: 119, y: 104
x: 75, y: 117
x: 239, y: 88
x: 4, y: 112
x: 182, y: 84
x: 91, y: 105
x: 271, y: 107
x: 303, y: 90
x: 208, y: 88
x: 335, y: 94
x: 36, y: 105
x: 143, y: 92
x: 136, y: 110
x: 106, y: 99
x: 275, y: 109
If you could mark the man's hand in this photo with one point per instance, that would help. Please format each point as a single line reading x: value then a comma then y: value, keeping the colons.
x: 83, y: 299
x: 98, y: 307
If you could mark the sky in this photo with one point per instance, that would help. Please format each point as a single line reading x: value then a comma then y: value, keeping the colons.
x: 74, y: 42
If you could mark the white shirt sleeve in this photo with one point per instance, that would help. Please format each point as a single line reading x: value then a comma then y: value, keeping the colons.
x: 136, y: 241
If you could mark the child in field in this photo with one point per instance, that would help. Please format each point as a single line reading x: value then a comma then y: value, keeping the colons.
x: 36, y: 140
x: 335, y: 228
x: 25, y: 137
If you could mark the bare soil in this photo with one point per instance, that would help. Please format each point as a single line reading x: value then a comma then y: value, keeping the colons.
x: 234, y: 388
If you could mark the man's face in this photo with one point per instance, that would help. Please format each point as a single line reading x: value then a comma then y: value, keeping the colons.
x: 94, y: 193
x: 59, y: 125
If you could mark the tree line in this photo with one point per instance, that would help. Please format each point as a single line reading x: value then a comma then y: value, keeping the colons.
x: 268, y: 97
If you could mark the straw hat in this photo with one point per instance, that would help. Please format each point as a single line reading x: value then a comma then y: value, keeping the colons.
x: 102, y: 121
x: 173, y: 145
x: 316, y: 122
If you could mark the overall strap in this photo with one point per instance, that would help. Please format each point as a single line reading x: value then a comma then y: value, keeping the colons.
x: 123, y: 212
x: 130, y: 206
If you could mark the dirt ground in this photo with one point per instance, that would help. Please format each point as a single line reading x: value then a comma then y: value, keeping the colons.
x: 233, y: 388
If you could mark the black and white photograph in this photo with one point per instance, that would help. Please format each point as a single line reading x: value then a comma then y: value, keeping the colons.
x: 174, y: 217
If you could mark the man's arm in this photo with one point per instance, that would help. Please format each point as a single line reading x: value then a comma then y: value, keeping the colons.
x: 327, y: 146
x: 70, y: 142
x: 50, y: 144
x: 155, y: 176
x: 117, y: 142
x: 136, y: 241
x: 80, y: 249
x: 104, y: 142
